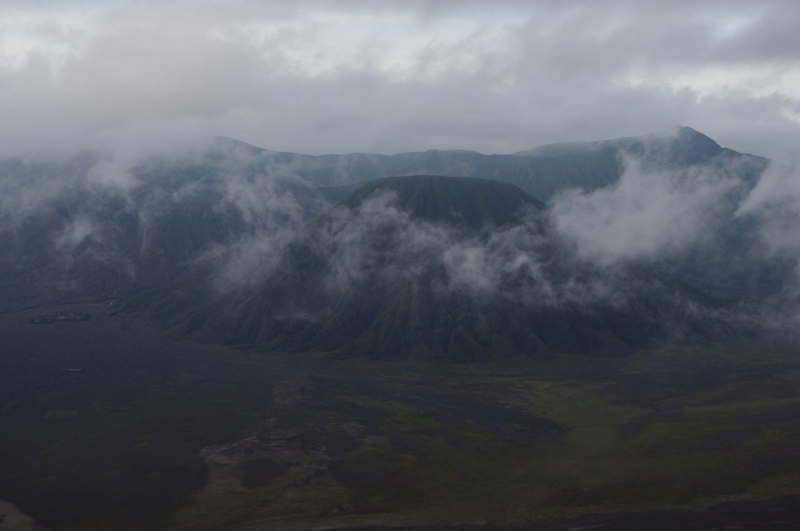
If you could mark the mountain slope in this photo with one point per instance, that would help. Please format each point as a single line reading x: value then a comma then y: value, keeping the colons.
x: 407, y: 267
x: 77, y: 230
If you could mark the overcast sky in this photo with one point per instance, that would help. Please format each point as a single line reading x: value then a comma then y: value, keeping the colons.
x: 392, y: 76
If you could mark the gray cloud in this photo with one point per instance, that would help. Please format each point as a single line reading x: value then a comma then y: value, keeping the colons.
x: 648, y: 213
x: 775, y: 205
x: 273, y: 216
x: 396, y: 76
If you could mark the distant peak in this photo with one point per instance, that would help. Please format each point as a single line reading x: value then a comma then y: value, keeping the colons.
x: 689, y: 146
x: 688, y: 134
x: 680, y: 144
x: 224, y: 142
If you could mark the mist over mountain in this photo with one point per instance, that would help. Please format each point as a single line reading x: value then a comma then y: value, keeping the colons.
x: 238, y: 244
x: 452, y: 268
x: 86, y: 228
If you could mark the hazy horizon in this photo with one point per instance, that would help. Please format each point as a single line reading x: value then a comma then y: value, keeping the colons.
x: 322, y: 77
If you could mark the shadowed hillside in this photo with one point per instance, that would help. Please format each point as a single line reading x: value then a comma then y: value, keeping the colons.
x: 450, y: 268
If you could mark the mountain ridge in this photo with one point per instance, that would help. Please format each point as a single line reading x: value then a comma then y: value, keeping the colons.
x: 683, y: 135
x: 168, y: 219
x: 541, y: 171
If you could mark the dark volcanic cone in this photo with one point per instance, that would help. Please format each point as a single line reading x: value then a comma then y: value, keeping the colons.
x: 472, y: 203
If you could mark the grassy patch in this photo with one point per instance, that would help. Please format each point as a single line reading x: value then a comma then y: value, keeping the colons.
x: 188, y: 437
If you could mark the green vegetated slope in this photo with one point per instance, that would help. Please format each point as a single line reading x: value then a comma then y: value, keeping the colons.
x: 401, y: 445
x: 452, y: 268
